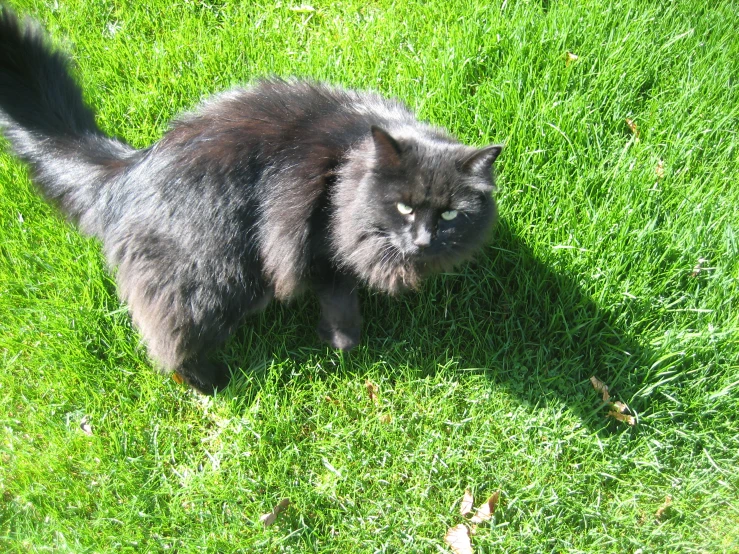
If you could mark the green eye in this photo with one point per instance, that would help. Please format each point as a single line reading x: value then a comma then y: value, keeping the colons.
x: 404, y: 208
x: 449, y: 215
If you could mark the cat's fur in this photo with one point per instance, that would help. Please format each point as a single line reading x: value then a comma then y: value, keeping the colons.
x: 261, y: 192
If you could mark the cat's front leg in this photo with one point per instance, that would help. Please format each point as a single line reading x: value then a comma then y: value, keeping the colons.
x: 341, y: 321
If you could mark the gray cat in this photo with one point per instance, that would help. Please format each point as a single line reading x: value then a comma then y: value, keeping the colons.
x: 261, y: 192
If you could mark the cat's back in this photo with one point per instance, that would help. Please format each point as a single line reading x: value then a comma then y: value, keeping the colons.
x: 276, y: 114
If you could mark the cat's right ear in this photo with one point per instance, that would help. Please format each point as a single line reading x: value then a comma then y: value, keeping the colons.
x: 481, y: 161
x: 387, y: 148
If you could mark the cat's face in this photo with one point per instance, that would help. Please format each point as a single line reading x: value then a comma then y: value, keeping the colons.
x: 422, y: 206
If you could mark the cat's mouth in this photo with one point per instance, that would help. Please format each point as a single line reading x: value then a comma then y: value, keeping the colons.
x: 411, y: 252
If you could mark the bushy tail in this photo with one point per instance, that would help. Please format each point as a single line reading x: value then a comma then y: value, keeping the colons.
x: 49, y: 126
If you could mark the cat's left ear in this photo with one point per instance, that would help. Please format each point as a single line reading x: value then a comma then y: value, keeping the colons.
x: 387, y: 147
x: 481, y: 161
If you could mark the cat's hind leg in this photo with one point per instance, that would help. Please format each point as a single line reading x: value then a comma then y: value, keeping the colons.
x: 184, y: 311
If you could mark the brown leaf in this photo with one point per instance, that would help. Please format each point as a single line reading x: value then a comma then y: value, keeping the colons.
x: 660, y: 169
x: 269, y: 519
x: 177, y: 378
x: 486, y: 511
x: 662, y: 509
x: 458, y: 539
x: 333, y: 401
x: 621, y: 408
x: 634, y: 129
x: 570, y: 57
x: 386, y: 418
x: 601, y: 387
x: 372, y: 391
x: 465, y: 507
x: 631, y: 420
x: 698, y: 267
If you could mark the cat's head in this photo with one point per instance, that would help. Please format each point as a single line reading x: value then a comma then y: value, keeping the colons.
x: 411, y: 204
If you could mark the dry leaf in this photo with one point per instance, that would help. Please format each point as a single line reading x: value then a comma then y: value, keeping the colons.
x: 386, y: 418
x: 85, y: 426
x: 634, y: 129
x: 269, y: 519
x: 486, y: 511
x: 333, y: 401
x: 305, y: 8
x: 570, y: 57
x: 373, y: 391
x: 631, y: 420
x: 660, y: 169
x: 465, y: 507
x: 458, y: 539
x: 621, y: 407
x: 177, y: 378
x: 601, y: 387
x: 698, y: 267
x: 662, y: 509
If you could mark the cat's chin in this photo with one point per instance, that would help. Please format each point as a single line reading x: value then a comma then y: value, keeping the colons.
x: 410, y: 276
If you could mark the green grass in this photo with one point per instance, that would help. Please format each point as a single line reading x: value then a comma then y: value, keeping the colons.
x: 483, y: 375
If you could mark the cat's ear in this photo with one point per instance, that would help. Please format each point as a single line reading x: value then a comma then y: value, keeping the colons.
x: 480, y: 161
x: 387, y: 148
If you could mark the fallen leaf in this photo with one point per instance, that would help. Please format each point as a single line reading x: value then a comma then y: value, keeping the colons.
x: 85, y: 426
x: 386, y: 418
x: 570, y: 57
x: 631, y: 420
x: 269, y: 519
x: 662, y: 509
x: 486, y: 511
x: 373, y: 391
x: 634, y: 129
x: 660, y: 169
x: 620, y: 407
x: 465, y: 507
x: 698, y: 267
x: 333, y: 401
x: 177, y: 378
x: 458, y: 539
x: 601, y: 387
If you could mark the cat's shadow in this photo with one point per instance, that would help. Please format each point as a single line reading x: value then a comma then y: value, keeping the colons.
x: 527, y: 328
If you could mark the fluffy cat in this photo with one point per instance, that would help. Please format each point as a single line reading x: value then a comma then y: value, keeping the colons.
x: 262, y: 192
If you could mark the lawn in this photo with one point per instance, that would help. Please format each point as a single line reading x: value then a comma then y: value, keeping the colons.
x: 617, y: 256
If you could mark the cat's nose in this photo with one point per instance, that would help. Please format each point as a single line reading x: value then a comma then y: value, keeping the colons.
x: 422, y: 238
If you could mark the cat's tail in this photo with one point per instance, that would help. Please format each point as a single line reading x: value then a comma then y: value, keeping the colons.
x: 50, y: 127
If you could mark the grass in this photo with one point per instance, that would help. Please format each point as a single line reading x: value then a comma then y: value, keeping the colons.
x: 600, y: 267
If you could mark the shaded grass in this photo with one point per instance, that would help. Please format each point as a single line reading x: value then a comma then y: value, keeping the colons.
x: 483, y: 375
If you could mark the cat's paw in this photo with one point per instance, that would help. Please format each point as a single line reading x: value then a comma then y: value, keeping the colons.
x: 342, y: 339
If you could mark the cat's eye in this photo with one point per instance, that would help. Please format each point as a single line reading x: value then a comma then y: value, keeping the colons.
x: 405, y: 209
x: 449, y: 215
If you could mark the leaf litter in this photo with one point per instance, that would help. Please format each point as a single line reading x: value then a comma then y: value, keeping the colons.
x: 465, y: 507
x: 486, y: 510
x: 634, y: 129
x: 372, y: 391
x: 86, y: 426
x: 616, y: 409
x: 659, y: 514
x: 458, y: 538
x: 271, y: 517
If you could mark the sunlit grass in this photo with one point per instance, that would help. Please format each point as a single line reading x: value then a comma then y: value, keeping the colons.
x: 601, y: 266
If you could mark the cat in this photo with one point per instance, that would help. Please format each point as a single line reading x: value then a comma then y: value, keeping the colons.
x: 262, y: 192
